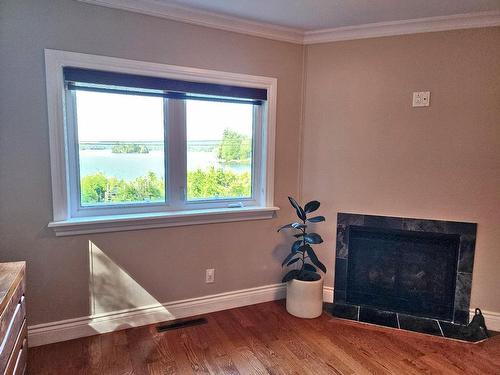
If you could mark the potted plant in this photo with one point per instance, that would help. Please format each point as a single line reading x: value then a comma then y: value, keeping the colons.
x: 304, y: 289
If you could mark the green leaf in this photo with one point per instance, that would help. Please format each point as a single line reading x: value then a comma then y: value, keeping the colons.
x: 290, y: 275
x: 296, y: 245
x: 314, y: 259
x: 313, y: 238
x: 286, y: 226
x: 288, y: 257
x: 300, y: 212
x: 309, y: 267
x: 311, y: 206
x: 316, y: 219
x: 293, y: 225
x: 293, y: 261
x: 303, y: 248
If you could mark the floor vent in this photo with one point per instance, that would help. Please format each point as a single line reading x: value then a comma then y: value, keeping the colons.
x: 181, y: 324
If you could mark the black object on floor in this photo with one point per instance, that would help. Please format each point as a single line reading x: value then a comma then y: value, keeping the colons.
x: 181, y: 324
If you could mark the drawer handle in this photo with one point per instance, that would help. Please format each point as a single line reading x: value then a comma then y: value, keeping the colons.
x: 11, y: 323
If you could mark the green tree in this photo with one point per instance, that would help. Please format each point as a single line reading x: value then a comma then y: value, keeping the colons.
x: 130, y: 148
x: 94, y: 188
x: 234, y: 147
x: 210, y: 183
x: 98, y: 188
x: 218, y: 183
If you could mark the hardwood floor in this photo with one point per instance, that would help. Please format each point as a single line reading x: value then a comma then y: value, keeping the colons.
x: 264, y: 339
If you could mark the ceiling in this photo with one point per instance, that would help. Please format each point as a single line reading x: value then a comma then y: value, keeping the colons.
x: 309, y: 15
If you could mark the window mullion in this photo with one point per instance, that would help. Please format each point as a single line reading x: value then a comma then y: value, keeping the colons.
x: 177, y: 152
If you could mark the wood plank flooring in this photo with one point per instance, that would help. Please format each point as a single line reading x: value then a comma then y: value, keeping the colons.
x: 264, y: 339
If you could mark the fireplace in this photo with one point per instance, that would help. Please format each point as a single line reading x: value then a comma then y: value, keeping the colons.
x: 404, y: 273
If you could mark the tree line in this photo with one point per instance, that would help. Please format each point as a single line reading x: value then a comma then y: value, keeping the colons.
x: 214, y: 182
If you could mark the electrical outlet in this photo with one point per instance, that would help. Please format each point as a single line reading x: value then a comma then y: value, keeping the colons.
x: 210, y: 275
x: 421, y: 99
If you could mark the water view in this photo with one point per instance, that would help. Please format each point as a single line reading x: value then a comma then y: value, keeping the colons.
x: 132, y: 165
x: 121, y: 149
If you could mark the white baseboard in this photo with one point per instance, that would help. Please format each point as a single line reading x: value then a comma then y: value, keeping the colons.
x: 63, y: 330
x: 328, y: 294
x: 47, y: 333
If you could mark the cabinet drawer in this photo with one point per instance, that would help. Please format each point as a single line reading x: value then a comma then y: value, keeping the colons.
x: 20, y: 366
x: 11, y: 333
x: 17, y: 360
x: 10, y: 307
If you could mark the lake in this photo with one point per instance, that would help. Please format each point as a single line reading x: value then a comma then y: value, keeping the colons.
x: 130, y: 166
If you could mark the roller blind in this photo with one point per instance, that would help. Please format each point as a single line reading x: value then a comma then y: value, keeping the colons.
x: 132, y: 84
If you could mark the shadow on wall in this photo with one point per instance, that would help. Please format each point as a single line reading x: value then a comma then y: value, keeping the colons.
x: 114, y: 294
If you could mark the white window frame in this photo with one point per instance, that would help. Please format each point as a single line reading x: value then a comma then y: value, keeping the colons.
x: 68, y: 220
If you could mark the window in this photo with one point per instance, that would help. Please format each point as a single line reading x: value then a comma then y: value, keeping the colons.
x: 120, y: 155
x: 132, y: 141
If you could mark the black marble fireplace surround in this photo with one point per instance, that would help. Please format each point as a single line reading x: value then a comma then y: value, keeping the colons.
x: 404, y: 273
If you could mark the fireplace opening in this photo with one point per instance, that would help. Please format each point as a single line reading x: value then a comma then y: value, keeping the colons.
x: 411, y: 272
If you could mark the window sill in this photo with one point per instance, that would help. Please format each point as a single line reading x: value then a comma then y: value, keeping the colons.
x: 117, y: 223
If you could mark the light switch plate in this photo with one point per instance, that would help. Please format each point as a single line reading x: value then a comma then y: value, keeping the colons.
x: 421, y: 98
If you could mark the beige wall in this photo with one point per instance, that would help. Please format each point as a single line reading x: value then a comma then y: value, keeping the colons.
x: 168, y: 263
x: 366, y: 150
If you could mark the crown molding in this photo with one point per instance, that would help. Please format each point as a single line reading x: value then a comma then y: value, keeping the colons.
x: 414, y: 26
x: 299, y: 36
x: 205, y: 18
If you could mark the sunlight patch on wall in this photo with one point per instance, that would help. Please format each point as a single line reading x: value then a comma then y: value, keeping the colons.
x: 113, y: 290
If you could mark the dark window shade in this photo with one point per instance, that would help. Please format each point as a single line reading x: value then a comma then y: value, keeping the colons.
x: 102, y: 81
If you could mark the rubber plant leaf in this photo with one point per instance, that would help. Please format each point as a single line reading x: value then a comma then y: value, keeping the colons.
x: 311, y: 206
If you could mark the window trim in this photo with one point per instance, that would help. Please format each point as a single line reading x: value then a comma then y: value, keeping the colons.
x: 55, y: 60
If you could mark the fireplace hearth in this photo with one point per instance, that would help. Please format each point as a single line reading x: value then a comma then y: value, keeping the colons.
x: 404, y: 273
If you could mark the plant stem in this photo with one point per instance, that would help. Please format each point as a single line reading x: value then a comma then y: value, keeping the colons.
x: 303, y: 252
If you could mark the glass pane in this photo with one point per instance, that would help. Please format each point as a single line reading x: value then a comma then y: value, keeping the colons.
x: 219, y: 150
x: 121, y: 141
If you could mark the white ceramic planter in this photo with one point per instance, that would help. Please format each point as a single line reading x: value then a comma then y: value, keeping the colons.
x: 304, y: 299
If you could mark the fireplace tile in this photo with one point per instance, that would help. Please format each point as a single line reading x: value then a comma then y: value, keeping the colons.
x: 339, y: 295
x: 350, y: 219
x: 374, y: 316
x: 451, y: 330
x: 345, y: 311
x: 422, y: 325
x: 466, y: 255
x: 461, y: 317
x: 386, y: 222
x: 462, y: 291
x: 455, y: 227
x: 421, y: 225
x: 342, y: 247
x: 340, y: 274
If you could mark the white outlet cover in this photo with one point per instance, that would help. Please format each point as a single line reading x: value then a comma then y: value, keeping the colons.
x: 210, y: 275
x: 421, y: 98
